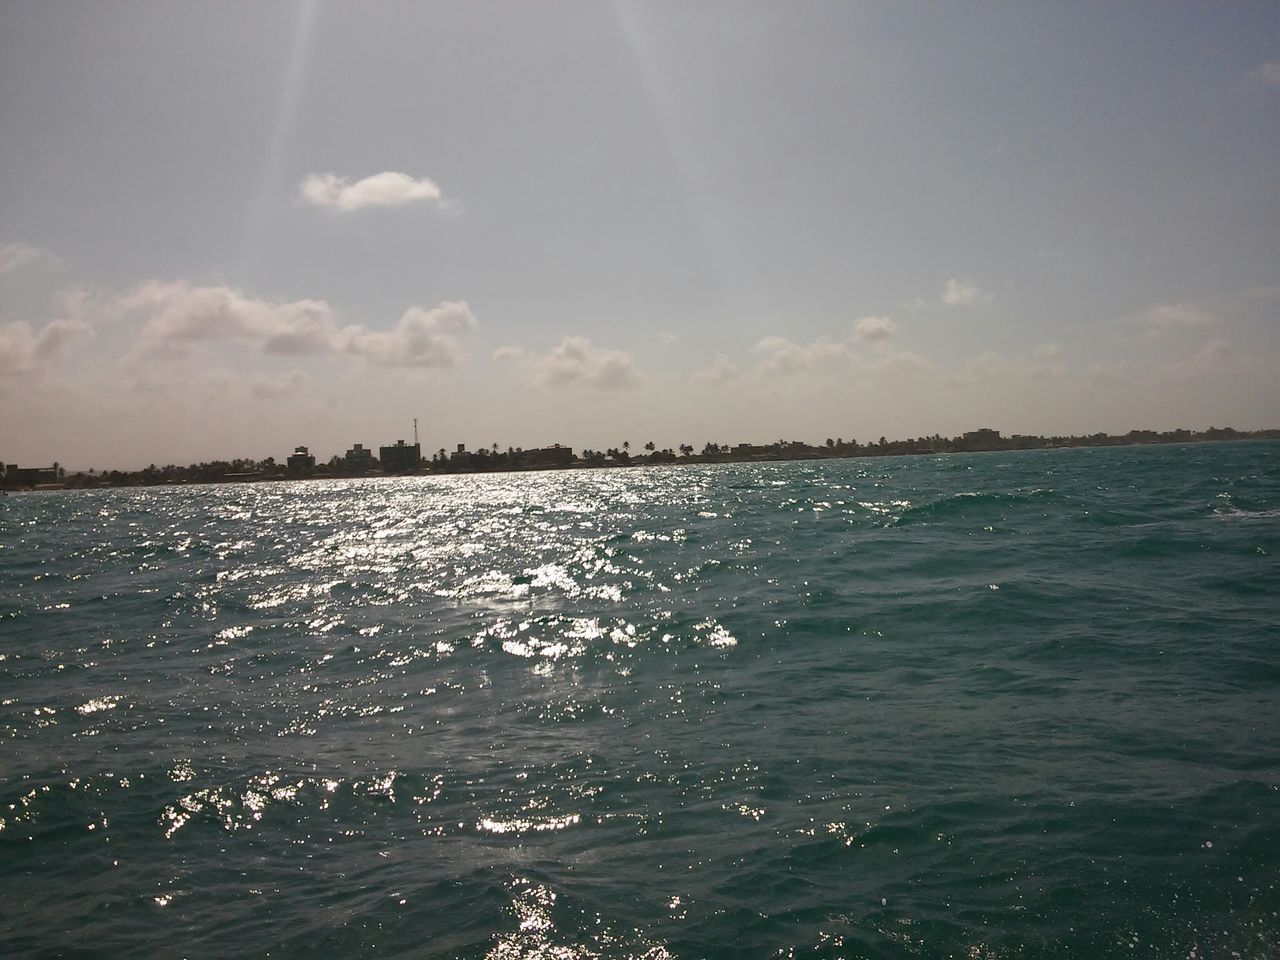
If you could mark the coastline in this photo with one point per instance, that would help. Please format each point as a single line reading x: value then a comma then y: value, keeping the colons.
x: 465, y: 462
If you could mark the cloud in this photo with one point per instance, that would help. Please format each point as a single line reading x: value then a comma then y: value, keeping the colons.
x: 1215, y: 359
x: 900, y: 362
x: 720, y: 370
x: 874, y: 328
x: 1042, y: 363
x: 1216, y: 351
x: 178, y: 314
x: 23, y: 350
x: 961, y: 293
x: 575, y: 361
x: 15, y: 256
x: 1047, y: 351
x: 422, y: 338
x: 272, y: 388
x: 386, y: 189
x: 1171, y: 318
x: 780, y: 357
x: 1268, y: 73
x: 783, y: 357
x: 1176, y: 316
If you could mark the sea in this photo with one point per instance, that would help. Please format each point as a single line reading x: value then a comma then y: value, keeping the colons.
x: 994, y: 705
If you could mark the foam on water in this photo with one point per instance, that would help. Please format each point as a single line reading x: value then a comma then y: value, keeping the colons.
x: 988, y: 705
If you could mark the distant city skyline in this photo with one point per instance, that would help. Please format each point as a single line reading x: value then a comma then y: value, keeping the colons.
x: 230, y: 229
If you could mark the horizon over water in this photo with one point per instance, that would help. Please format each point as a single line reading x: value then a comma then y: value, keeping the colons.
x: 972, y: 705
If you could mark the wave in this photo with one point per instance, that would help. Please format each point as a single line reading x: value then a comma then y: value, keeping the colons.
x: 977, y: 506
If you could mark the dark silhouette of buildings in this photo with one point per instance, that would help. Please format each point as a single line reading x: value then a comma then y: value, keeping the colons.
x: 406, y: 458
x: 16, y: 476
x: 403, y: 456
x: 301, y: 463
x: 358, y: 459
x: 552, y: 456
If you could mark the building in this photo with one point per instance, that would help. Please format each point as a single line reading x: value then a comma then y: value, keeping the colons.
x: 358, y: 459
x: 300, y: 462
x: 552, y: 456
x: 16, y: 476
x: 403, y: 456
x: 982, y: 439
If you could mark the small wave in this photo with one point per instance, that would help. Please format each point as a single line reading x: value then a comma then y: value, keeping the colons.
x: 974, y: 505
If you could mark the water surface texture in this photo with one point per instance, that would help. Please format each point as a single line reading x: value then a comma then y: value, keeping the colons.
x: 991, y: 705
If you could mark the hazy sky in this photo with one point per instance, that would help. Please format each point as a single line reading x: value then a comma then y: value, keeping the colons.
x: 230, y: 228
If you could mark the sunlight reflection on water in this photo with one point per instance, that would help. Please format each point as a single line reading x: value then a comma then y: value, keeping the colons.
x: 658, y: 713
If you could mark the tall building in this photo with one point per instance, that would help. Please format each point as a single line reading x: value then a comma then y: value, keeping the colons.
x: 358, y: 458
x: 300, y: 461
x: 403, y: 456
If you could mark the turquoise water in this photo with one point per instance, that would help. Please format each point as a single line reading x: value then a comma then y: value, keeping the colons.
x: 989, y: 705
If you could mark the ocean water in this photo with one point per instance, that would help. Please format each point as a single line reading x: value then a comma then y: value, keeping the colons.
x: 989, y: 705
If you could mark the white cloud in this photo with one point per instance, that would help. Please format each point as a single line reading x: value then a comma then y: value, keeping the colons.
x: 961, y: 293
x: 386, y: 189
x: 422, y: 338
x: 1268, y: 73
x: 1216, y: 359
x: 874, y: 328
x: 575, y: 361
x: 23, y: 349
x: 1176, y: 316
x: 271, y: 388
x: 720, y: 370
x: 784, y: 357
x: 178, y: 314
x: 15, y: 256
x: 510, y: 354
x: 1042, y: 363
x: 901, y: 362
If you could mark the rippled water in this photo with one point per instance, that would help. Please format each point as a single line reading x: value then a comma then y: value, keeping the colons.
x: 995, y: 705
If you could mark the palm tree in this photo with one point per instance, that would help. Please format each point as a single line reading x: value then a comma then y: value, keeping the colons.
x: 649, y: 446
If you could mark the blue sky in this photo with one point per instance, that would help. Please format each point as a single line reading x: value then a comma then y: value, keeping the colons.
x: 229, y: 228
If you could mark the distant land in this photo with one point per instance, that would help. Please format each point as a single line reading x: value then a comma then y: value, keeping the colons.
x: 403, y: 459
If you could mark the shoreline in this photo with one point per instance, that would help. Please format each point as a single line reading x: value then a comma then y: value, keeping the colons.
x: 483, y: 463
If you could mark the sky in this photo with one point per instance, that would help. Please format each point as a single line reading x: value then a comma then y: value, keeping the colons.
x: 227, y: 229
